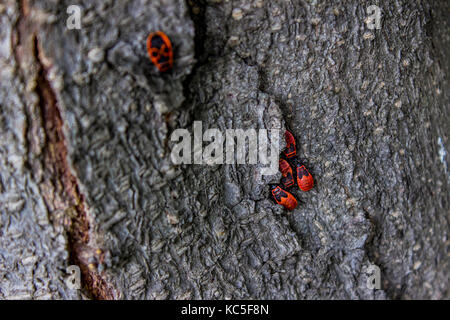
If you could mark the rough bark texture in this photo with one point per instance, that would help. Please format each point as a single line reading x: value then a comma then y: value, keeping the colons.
x: 86, y: 176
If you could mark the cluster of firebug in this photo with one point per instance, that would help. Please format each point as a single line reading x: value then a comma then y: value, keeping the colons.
x: 293, y: 172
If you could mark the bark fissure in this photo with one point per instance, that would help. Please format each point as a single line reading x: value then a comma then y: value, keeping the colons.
x: 62, y: 193
x: 78, y: 229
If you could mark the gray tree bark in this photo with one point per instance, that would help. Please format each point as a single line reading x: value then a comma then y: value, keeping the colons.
x: 85, y: 170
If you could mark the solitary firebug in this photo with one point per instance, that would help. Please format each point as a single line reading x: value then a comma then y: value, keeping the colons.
x: 305, y: 180
x: 286, y: 172
x: 290, y: 150
x: 159, y: 49
x: 283, y: 197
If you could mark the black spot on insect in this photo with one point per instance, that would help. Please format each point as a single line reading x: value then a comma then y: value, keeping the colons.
x: 302, y: 172
x: 157, y: 42
x: 163, y: 59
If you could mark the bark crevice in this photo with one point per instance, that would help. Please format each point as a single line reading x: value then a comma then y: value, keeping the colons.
x: 61, y: 190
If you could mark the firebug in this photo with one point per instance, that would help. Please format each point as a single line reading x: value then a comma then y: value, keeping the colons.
x: 283, y: 197
x: 159, y: 49
x: 286, y: 172
x: 305, y: 180
x: 290, y: 150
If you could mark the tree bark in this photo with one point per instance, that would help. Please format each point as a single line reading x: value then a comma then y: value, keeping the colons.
x: 86, y: 176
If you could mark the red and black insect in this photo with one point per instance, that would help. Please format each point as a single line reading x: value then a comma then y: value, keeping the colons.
x: 305, y: 180
x: 159, y: 49
x: 286, y: 171
x: 290, y: 150
x: 283, y: 197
